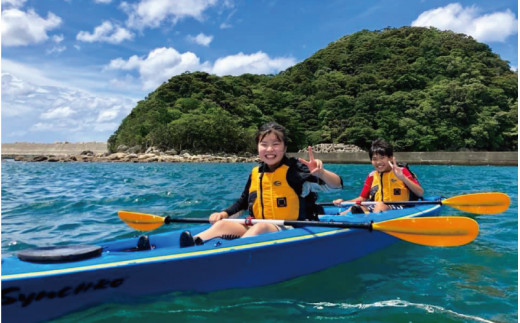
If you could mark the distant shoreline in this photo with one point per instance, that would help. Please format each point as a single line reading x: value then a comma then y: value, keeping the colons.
x: 98, y: 151
x: 57, y: 148
x: 494, y: 158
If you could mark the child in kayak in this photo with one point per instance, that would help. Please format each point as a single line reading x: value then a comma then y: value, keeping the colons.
x: 388, y: 182
x: 279, y: 188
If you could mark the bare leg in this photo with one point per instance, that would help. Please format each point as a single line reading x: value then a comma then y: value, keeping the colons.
x: 260, y: 228
x: 222, y: 227
x: 346, y: 211
x: 380, y: 207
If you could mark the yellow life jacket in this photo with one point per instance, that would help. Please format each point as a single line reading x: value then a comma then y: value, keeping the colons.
x: 388, y: 188
x: 273, y: 196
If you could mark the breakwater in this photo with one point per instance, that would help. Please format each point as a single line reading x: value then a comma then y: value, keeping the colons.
x: 10, y: 150
x: 98, y: 151
x: 498, y: 158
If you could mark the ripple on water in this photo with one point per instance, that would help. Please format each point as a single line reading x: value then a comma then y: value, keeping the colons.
x: 71, y: 203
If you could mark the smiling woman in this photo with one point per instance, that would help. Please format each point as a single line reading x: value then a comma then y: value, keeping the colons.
x: 280, y: 188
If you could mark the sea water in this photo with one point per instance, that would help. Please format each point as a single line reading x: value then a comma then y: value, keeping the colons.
x: 70, y: 203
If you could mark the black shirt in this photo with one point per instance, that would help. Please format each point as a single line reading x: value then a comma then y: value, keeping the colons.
x: 297, y: 175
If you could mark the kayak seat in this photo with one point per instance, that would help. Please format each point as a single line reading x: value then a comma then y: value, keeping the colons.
x: 60, y: 254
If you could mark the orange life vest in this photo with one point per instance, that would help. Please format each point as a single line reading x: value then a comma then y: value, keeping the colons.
x: 388, y: 187
x: 275, y: 199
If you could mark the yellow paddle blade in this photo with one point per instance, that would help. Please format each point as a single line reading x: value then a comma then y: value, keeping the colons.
x: 481, y: 203
x: 442, y: 231
x: 141, y: 221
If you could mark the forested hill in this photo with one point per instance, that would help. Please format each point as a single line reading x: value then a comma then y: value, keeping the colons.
x: 420, y: 88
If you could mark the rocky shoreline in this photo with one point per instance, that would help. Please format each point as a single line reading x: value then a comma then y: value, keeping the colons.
x: 334, y: 148
x: 88, y: 156
x: 328, y: 153
x: 98, y: 152
x: 152, y: 154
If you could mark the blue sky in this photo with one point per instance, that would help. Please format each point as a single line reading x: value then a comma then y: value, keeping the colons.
x: 73, y: 69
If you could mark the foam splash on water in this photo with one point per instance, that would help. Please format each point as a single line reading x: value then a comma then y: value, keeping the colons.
x: 345, y: 308
x: 397, y: 303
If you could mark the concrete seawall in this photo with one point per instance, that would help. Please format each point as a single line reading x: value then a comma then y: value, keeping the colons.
x: 507, y: 158
x: 499, y: 158
x: 9, y: 150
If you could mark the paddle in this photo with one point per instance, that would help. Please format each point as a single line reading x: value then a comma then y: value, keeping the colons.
x: 480, y: 203
x: 430, y: 231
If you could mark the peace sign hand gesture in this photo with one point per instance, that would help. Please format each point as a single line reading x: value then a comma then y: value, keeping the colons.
x: 398, y: 171
x: 315, y: 165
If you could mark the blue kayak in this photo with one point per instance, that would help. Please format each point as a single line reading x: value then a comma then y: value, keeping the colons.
x: 36, y: 289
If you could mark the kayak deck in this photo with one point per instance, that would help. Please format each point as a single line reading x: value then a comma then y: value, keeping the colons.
x: 120, y: 274
x: 121, y: 252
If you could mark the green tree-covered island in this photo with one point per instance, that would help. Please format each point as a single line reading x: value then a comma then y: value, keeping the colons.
x: 420, y: 88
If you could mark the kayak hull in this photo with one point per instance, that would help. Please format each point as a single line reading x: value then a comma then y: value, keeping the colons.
x: 34, y: 292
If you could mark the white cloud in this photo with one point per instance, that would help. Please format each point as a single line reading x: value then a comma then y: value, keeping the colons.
x: 57, y: 113
x: 40, y: 126
x: 12, y: 86
x: 107, y: 115
x: 56, y: 49
x: 124, y: 82
x: 201, y: 39
x: 160, y: 64
x: 494, y: 27
x: 106, y: 32
x: 132, y: 63
x: 53, y: 113
x: 58, y: 38
x: 163, y: 63
x: 151, y: 13
x: 225, y: 25
x: 20, y: 28
x: 257, y: 63
x: 26, y: 73
x: 103, y: 1
x: 44, y: 75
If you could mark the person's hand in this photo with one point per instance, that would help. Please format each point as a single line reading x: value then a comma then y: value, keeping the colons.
x: 398, y: 171
x: 337, y: 202
x: 214, y: 217
x: 315, y: 165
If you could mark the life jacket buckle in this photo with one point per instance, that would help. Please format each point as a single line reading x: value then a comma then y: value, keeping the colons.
x: 249, y: 221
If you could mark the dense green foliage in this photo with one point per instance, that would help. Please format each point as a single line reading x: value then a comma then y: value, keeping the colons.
x: 420, y: 88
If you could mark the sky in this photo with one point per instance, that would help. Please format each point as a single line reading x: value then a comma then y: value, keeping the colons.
x: 73, y: 69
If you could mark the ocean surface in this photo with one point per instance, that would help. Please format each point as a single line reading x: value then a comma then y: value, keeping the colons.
x: 69, y: 203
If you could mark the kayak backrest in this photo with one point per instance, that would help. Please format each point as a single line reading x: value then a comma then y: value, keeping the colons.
x: 60, y: 254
